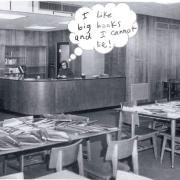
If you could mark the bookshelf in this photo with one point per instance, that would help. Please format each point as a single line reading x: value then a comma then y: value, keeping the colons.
x: 32, y: 58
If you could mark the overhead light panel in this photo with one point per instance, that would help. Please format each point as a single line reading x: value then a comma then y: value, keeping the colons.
x: 10, y: 16
x: 40, y: 27
x: 63, y: 14
x: 64, y: 22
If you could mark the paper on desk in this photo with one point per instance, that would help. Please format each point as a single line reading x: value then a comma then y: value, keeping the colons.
x: 4, y: 146
x: 54, y: 135
x: 28, y: 139
x: 13, y: 122
x: 138, y: 109
x: 173, y: 115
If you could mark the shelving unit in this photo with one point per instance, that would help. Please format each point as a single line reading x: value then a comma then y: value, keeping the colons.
x: 32, y: 58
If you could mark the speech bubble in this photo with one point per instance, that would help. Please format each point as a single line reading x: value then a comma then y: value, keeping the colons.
x: 73, y: 56
x: 103, y: 27
x: 78, y: 51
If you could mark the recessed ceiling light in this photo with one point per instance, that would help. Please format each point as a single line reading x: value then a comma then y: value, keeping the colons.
x: 40, y: 27
x: 10, y: 16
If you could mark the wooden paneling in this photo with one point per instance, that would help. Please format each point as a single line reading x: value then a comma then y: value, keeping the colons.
x: 115, y: 62
x: 56, y: 96
x: 152, y: 55
x: 23, y: 38
x: 31, y: 47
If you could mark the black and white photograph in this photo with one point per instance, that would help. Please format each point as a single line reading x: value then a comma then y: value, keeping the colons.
x: 90, y: 90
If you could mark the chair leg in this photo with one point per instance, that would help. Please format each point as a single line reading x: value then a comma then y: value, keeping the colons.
x: 154, y: 139
x: 88, y: 149
x: 22, y: 163
x: 154, y: 125
x: 115, y: 160
x: 163, y: 148
x: 135, y: 158
x: 80, y: 161
x: 4, y: 165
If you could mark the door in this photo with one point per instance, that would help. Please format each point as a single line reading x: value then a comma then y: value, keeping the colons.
x: 62, y: 53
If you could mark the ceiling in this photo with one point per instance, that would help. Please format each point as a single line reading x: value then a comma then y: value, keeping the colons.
x: 154, y: 9
x: 32, y: 19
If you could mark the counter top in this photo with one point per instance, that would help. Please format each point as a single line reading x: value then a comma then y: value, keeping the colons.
x: 66, y: 79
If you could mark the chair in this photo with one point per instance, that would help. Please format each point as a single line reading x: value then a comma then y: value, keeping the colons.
x: 167, y: 137
x: 140, y: 94
x: 144, y: 133
x: 64, y: 174
x: 19, y: 175
x: 117, y: 150
x: 122, y: 175
x: 157, y: 124
x: 66, y: 155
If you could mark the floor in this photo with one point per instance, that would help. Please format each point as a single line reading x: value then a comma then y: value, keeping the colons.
x: 148, y: 165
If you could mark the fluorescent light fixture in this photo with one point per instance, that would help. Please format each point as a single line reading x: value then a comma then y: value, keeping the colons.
x: 40, y: 27
x: 10, y: 16
x: 64, y: 22
x: 64, y: 14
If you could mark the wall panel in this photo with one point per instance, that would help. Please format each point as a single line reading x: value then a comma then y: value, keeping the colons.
x: 31, y: 45
x: 153, y: 54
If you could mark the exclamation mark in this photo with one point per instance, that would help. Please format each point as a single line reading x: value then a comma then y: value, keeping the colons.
x: 109, y: 43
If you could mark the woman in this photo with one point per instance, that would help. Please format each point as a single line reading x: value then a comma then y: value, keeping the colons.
x: 65, y: 71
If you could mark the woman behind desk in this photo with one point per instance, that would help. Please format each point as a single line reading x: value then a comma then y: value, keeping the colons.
x: 65, y: 71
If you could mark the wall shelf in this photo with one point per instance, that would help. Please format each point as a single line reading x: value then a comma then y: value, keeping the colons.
x: 34, y: 58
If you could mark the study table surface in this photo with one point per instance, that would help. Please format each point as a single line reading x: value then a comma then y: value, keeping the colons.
x: 49, y: 144
x: 169, y: 112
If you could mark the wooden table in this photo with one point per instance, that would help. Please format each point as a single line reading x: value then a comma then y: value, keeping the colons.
x: 65, y: 174
x: 47, y: 145
x: 50, y: 144
x: 171, y: 114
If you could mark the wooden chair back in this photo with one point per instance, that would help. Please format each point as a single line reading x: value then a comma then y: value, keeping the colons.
x: 66, y: 155
x: 19, y: 175
x: 122, y: 149
x: 130, y: 118
x: 122, y: 175
x: 140, y: 91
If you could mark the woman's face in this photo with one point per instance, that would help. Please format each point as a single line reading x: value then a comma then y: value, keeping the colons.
x: 63, y: 65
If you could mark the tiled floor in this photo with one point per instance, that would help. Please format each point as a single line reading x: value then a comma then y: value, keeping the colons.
x: 148, y: 165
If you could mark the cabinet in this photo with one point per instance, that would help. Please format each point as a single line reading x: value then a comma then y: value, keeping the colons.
x: 32, y: 58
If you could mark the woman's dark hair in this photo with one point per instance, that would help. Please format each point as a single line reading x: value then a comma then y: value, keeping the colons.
x: 62, y: 62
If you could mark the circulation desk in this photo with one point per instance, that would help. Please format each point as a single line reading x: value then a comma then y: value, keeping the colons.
x: 42, y: 96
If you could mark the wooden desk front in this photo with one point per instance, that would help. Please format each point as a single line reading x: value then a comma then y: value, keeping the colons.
x: 35, y: 97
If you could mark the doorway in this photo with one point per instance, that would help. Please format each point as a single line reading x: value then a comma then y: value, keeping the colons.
x: 63, y: 51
